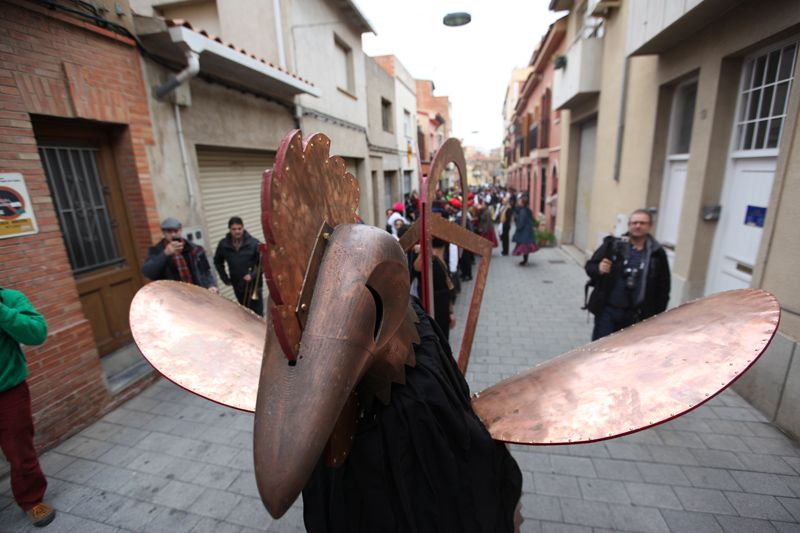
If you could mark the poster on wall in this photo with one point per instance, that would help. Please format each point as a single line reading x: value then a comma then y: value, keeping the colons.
x: 16, y: 211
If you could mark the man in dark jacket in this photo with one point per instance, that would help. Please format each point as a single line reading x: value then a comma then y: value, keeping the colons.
x: 177, y: 259
x: 20, y: 323
x: 240, y: 250
x: 630, y: 276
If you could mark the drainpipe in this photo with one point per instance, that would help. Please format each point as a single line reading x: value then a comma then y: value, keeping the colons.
x: 276, y: 13
x: 621, y: 121
x: 191, y: 70
x: 187, y: 171
x: 160, y: 92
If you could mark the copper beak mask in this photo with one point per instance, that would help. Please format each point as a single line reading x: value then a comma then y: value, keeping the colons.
x: 359, y: 329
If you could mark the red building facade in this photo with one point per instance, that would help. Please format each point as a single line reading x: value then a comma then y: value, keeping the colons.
x: 533, y: 145
x: 74, y: 126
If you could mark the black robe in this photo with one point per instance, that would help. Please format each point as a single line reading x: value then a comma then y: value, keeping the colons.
x: 423, y: 463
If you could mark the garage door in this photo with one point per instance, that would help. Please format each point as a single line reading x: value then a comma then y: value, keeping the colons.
x: 230, y: 185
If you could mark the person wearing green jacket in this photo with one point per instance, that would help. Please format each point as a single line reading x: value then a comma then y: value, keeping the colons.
x: 20, y: 323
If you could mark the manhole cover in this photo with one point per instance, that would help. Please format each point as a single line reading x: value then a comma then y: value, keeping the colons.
x: 556, y: 261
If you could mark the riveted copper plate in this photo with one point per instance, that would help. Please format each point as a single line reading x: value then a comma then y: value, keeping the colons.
x: 200, y: 341
x: 639, y: 377
x: 305, y: 188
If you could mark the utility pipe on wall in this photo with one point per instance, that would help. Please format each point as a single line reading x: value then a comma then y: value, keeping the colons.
x: 191, y: 70
x: 276, y: 13
x: 187, y: 171
x: 159, y: 92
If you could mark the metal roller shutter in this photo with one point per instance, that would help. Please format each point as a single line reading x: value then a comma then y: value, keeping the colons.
x: 230, y: 185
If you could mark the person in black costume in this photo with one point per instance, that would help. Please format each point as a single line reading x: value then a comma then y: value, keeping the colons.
x: 442, y: 288
x: 425, y: 462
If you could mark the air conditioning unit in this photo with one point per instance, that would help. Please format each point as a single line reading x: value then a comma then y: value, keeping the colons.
x: 601, y: 8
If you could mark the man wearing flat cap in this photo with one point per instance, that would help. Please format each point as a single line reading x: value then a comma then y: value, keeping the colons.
x: 177, y: 259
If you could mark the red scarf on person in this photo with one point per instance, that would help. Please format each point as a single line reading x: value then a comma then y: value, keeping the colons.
x: 180, y: 264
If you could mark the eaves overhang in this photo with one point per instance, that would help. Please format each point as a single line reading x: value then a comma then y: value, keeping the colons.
x: 225, y: 62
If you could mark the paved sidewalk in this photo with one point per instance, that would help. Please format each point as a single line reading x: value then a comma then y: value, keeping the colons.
x: 170, y: 461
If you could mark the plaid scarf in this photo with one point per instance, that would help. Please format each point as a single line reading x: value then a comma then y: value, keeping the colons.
x: 180, y: 262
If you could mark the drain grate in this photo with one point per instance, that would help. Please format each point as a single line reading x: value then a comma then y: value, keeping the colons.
x: 556, y: 261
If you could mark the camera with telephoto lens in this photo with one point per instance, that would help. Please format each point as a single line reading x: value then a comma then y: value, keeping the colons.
x: 630, y: 275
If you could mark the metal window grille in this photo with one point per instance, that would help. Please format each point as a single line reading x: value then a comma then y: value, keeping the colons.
x: 765, y: 93
x: 77, y: 191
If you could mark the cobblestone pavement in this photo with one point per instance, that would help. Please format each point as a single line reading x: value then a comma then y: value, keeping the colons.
x: 170, y: 461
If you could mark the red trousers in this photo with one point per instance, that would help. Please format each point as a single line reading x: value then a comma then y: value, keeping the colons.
x: 16, y: 440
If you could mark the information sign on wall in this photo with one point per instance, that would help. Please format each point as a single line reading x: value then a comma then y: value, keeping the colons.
x: 16, y: 211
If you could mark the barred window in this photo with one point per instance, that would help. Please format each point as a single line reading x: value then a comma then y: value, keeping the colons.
x: 78, y: 194
x: 765, y: 94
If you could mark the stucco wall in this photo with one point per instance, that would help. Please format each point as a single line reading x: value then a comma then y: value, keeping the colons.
x: 612, y: 197
x: 312, y: 47
x: 379, y: 87
x: 405, y: 93
x: 219, y: 117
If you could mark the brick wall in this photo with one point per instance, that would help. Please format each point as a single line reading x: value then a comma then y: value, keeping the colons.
x: 53, y: 65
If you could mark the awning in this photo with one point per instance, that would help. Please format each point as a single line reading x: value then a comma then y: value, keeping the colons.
x: 172, y: 39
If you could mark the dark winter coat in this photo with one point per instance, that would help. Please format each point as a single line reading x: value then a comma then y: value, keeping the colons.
x: 657, y: 280
x: 159, y: 265
x: 523, y: 219
x: 240, y: 262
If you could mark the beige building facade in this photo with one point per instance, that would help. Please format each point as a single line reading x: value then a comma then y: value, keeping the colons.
x: 384, y: 160
x: 693, y: 114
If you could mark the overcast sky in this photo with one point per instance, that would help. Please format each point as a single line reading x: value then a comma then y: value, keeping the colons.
x: 471, y: 64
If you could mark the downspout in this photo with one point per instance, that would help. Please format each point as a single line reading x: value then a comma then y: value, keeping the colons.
x: 161, y: 91
x: 621, y: 122
x: 191, y: 70
x: 276, y: 13
x: 187, y: 171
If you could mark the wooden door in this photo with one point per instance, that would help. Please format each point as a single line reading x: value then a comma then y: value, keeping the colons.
x: 81, y: 174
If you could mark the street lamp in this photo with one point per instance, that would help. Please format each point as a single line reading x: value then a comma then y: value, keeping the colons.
x: 457, y: 19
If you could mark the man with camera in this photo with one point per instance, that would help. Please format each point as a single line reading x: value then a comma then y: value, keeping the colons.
x: 630, y: 276
x: 177, y: 259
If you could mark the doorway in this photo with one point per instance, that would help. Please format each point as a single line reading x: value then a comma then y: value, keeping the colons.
x: 761, y: 109
x: 676, y: 165
x: 81, y: 174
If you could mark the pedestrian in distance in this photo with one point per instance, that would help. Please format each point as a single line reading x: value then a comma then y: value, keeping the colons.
x: 443, y: 297
x: 177, y: 259
x: 396, y: 213
x: 525, y: 233
x: 239, y: 250
x: 485, y: 224
x: 21, y: 323
x: 630, y: 276
x: 505, y: 216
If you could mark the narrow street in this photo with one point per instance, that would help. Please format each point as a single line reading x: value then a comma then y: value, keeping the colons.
x: 170, y: 461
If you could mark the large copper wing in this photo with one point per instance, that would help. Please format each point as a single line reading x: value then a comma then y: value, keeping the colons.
x: 639, y: 377
x: 305, y: 188
x: 636, y: 378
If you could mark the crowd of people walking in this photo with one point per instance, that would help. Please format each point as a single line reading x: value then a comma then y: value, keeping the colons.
x: 489, y: 212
